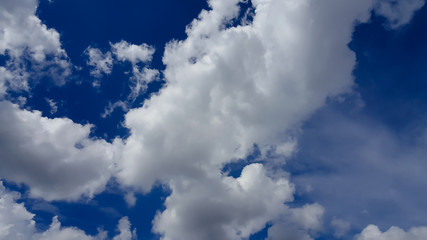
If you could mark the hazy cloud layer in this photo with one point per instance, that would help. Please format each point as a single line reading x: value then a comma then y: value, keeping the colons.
x: 338, y: 148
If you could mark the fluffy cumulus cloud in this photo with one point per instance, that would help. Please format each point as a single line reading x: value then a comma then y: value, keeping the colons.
x: 54, y: 157
x: 125, y: 51
x: 372, y: 232
x: 24, y: 37
x: 17, y: 223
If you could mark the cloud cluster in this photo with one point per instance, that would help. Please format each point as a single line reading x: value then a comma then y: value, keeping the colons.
x: 17, y: 223
x: 102, y: 63
x: 227, y: 88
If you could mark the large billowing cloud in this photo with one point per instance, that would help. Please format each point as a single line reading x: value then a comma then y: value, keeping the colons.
x: 54, y: 157
x: 228, y: 88
x: 17, y: 223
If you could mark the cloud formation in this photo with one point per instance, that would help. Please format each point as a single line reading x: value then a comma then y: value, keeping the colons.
x: 227, y: 88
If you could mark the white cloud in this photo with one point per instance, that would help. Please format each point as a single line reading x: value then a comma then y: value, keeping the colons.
x: 399, y: 13
x: 102, y: 63
x: 17, y: 223
x: 53, y: 106
x: 140, y: 80
x: 125, y: 51
x: 24, y: 36
x: 54, y: 157
x: 372, y: 232
x: 135, y: 54
x: 112, y: 106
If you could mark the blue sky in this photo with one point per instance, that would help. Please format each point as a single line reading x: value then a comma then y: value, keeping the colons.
x: 225, y: 119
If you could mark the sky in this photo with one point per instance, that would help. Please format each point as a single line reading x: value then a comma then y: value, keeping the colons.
x: 216, y: 120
